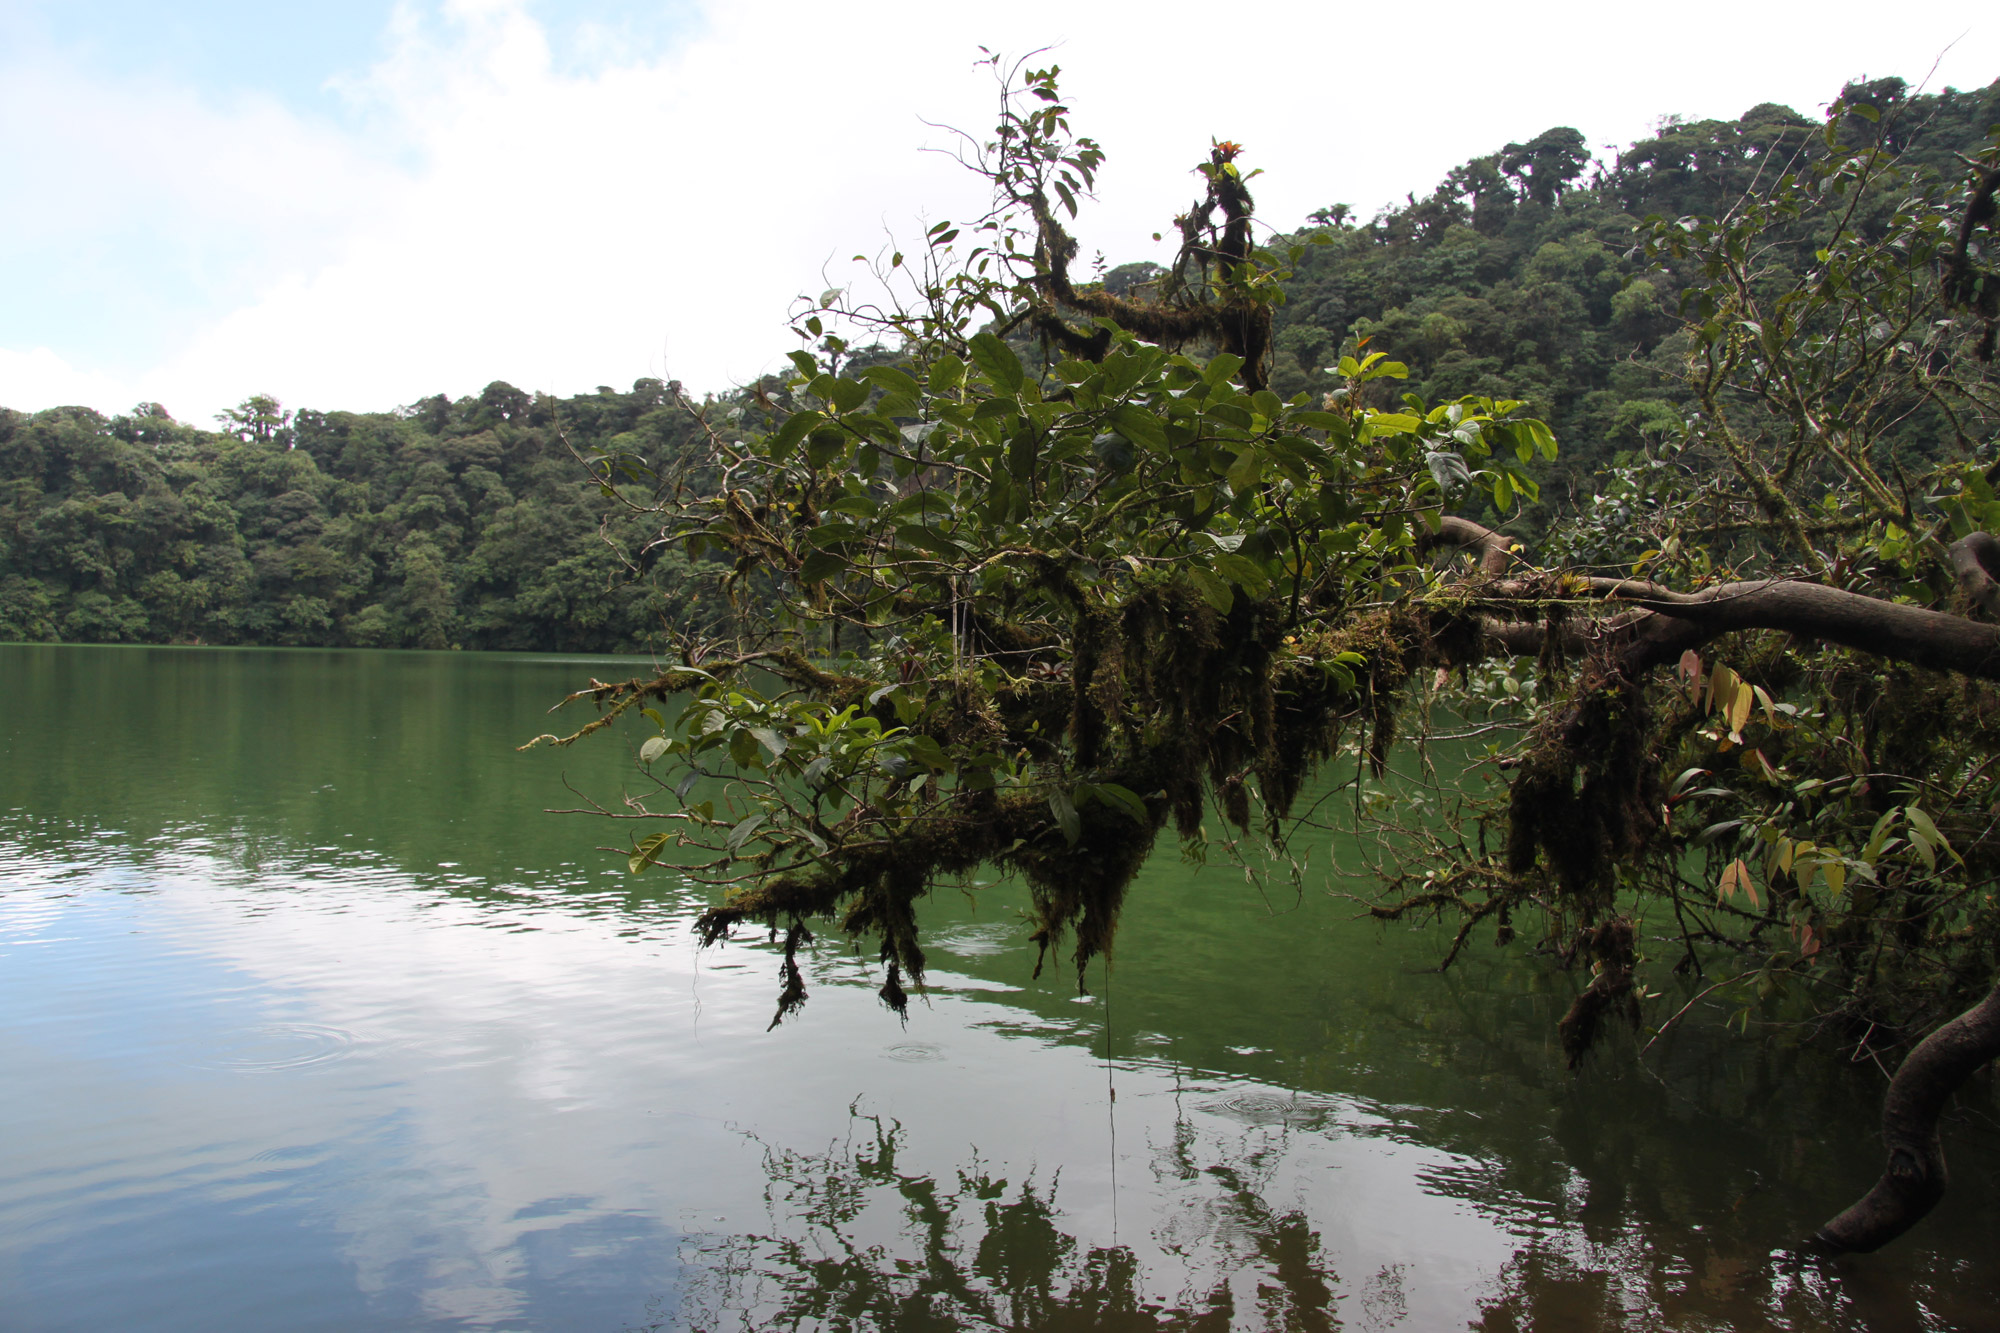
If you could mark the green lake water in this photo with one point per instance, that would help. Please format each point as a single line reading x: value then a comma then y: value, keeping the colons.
x: 311, y: 1018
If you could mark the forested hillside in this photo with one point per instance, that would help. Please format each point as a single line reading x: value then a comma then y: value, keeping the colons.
x: 1520, y: 275
x: 466, y: 524
x: 470, y: 523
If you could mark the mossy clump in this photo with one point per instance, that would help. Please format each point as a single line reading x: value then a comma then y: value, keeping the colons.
x: 1164, y: 696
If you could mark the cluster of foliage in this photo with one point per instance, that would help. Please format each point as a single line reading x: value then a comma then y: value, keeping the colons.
x: 1518, y: 276
x: 1028, y: 617
x: 1029, y: 621
x: 443, y: 525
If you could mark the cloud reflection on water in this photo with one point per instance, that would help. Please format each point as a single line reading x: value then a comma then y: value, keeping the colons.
x: 574, y: 1113
x: 254, y: 1087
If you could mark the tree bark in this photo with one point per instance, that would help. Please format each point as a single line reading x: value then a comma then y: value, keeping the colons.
x: 1975, y: 558
x: 1915, y: 1177
x: 1832, y: 615
x: 1495, y: 550
x: 1684, y: 620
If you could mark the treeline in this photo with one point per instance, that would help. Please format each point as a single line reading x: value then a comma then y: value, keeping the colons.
x: 1520, y: 275
x: 442, y: 525
x: 471, y: 524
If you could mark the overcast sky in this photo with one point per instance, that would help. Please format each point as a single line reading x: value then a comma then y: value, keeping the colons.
x: 358, y: 204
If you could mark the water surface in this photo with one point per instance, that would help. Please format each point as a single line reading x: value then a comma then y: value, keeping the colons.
x: 311, y: 1019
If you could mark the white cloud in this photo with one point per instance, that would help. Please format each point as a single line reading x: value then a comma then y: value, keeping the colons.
x: 142, y: 208
x: 489, y: 215
x: 41, y: 377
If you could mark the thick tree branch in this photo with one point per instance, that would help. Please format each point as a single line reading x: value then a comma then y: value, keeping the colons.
x: 1975, y: 558
x: 1495, y: 550
x: 1673, y: 622
x: 1893, y: 630
x: 1915, y: 1177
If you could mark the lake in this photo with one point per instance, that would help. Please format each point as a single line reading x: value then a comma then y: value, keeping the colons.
x: 311, y: 1018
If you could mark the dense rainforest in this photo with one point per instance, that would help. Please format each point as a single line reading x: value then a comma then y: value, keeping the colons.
x: 441, y: 525
x: 1520, y: 275
x: 469, y: 523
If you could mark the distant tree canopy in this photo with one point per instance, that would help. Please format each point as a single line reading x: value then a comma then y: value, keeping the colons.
x: 446, y: 524
x: 1521, y: 274
x: 468, y: 522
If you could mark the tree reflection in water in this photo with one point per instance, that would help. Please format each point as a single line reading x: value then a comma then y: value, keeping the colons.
x: 859, y: 1243
x: 1643, y: 1280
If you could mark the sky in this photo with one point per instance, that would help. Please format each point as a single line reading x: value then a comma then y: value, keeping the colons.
x: 355, y: 205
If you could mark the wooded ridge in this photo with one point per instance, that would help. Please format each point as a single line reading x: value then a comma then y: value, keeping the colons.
x: 469, y: 523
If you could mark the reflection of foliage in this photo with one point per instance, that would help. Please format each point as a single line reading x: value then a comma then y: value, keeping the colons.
x: 1630, y: 1280
x: 1627, y: 1230
x: 978, y: 1252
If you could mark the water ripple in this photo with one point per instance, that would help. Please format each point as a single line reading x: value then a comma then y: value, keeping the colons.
x: 270, y: 1048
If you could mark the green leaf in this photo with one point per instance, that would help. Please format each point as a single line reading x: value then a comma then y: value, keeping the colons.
x: 1245, y: 573
x: 891, y: 380
x: 654, y: 747
x: 1064, y: 809
x: 825, y: 444
x: 648, y: 851
x: 1449, y: 471
x: 1545, y: 439
x: 1921, y: 826
x: 997, y: 359
x: 1221, y: 368
x: 1393, y: 423
x: 929, y: 539
x: 848, y: 394
x: 1114, y: 451
x: 928, y: 752
x: 861, y: 506
x: 1123, y: 798
x: 947, y: 373
x: 1212, y: 586
x: 1125, y: 369
x: 1924, y: 848
x: 1141, y: 427
x: 743, y: 832
x: 822, y: 565
x: 1246, y: 471
x: 786, y: 438
x: 1021, y: 455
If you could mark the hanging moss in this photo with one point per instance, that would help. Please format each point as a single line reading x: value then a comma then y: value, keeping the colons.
x: 1588, y: 793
